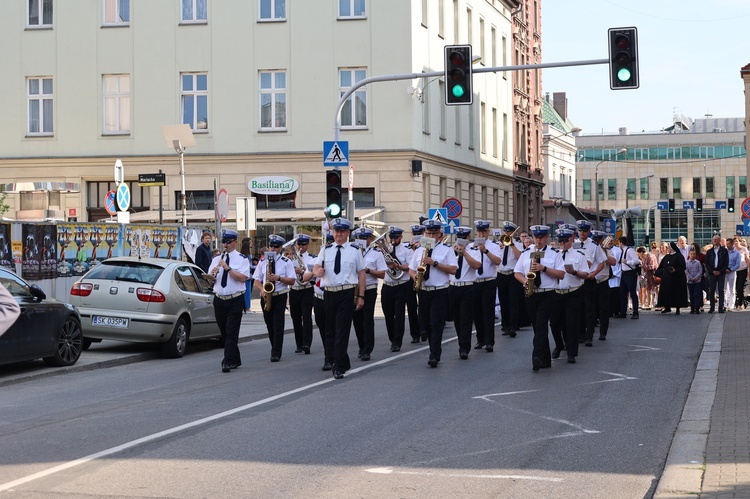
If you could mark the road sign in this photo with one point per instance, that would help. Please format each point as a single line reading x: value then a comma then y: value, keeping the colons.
x: 452, y: 224
x: 119, y: 172
x: 222, y: 205
x: 721, y: 205
x: 109, y: 203
x: 559, y: 223
x: 454, y: 207
x: 439, y: 214
x: 610, y: 226
x: 336, y: 153
x: 745, y: 209
x: 123, y: 197
x: 152, y: 179
x: 662, y: 205
x: 688, y: 205
x: 747, y: 226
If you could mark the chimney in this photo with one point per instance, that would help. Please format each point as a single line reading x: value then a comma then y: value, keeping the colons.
x: 560, y: 103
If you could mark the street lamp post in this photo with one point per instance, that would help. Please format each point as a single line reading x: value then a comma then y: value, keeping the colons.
x: 596, y: 187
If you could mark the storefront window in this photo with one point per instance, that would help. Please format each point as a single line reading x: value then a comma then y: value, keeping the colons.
x: 277, y: 201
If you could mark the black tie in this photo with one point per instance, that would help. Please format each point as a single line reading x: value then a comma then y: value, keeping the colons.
x: 538, y: 278
x: 480, y: 270
x: 427, y: 271
x: 337, y: 262
x: 460, y: 263
x: 505, y: 255
x: 225, y: 275
x: 565, y: 252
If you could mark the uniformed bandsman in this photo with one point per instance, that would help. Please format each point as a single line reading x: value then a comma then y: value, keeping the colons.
x: 602, y: 285
x: 301, y: 296
x: 416, y: 331
x: 571, y: 269
x: 320, y: 311
x: 485, y: 286
x: 596, y: 260
x: 364, y: 318
x: 462, y: 290
x: 282, y: 276
x: 440, y: 263
x: 341, y: 268
x: 395, y: 291
x: 509, y: 290
x: 539, y: 259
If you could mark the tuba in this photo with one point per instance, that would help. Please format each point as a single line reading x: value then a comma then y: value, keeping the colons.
x: 380, y: 244
x: 427, y: 243
x: 528, y: 287
x: 295, y: 256
x: 268, y: 286
x: 506, y: 239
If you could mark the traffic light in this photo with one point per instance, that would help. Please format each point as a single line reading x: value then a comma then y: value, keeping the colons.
x: 699, y: 204
x: 623, y: 58
x: 730, y: 205
x: 458, y: 75
x: 671, y: 205
x: 333, y: 193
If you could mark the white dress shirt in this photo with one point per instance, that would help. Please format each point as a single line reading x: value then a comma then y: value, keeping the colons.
x: 283, y: 267
x: 351, y: 263
x: 236, y: 262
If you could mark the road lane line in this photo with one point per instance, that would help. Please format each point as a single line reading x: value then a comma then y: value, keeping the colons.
x: 391, y: 471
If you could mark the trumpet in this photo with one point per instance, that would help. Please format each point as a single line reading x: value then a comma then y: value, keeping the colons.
x: 380, y: 244
x: 506, y: 239
x: 427, y: 243
x: 268, y: 286
x: 294, y: 255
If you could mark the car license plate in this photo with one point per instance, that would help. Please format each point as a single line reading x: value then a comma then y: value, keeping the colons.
x: 100, y: 320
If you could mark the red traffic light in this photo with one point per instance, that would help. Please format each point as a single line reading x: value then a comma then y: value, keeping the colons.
x: 622, y: 42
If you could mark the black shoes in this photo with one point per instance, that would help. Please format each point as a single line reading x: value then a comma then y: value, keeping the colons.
x: 234, y: 366
x: 423, y: 336
x: 666, y: 311
x: 512, y: 333
x: 479, y: 346
x: 327, y: 366
x: 299, y: 350
x: 571, y: 359
x: 711, y: 310
x: 677, y: 312
x: 395, y: 348
x: 365, y: 356
x: 635, y: 316
x: 225, y: 368
x: 415, y: 340
x: 588, y: 343
x: 489, y: 348
x: 722, y: 310
x: 602, y: 337
x: 556, y: 353
x: 275, y: 358
x: 536, y: 364
x: 432, y: 363
x: 463, y: 355
x: 618, y: 316
x: 338, y: 375
x: 306, y: 350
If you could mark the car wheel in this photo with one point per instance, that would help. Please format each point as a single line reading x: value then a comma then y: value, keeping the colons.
x: 87, y: 343
x: 175, y: 347
x: 69, y: 344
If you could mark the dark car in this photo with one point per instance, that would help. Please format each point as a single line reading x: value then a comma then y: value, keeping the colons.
x: 47, y: 328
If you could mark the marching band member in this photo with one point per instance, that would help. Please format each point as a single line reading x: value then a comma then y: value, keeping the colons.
x: 602, y: 285
x: 540, y: 302
x: 438, y: 264
x: 485, y: 286
x: 415, y: 330
x: 462, y: 290
x: 301, y: 297
x: 596, y: 259
x: 395, y: 292
x: 282, y: 276
x: 320, y: 311
x: 509, y: 290
x: 364, y: 320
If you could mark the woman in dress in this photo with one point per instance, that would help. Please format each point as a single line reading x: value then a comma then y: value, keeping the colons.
x: 648, y: 262
x: 673, y: 287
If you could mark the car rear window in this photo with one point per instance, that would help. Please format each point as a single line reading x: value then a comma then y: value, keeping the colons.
x: 125, y: 271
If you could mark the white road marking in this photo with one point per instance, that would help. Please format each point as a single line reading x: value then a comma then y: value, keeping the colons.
x: 643, y: 348
x: 391, y: 471
x: 486, y: 397
x: 618, y: 377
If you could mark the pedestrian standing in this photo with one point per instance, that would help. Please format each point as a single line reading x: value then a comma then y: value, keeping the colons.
x: 203, y: 256
x: 694, y: 274
x: 230, y: 270
x: 673, y: 287
x: 341, y: 268
x: 735, y: 259
x: 717, y: 265
x: 739, y: 245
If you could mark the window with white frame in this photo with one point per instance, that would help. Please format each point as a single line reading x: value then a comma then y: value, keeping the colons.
x: 116, y: 91
x: 351, y: 8
x: 272, y: 10
x: 195, y: 100
x: 116, y: 12
x: 354, y: 112
x: 273, y: 100
x: 41, y: 106
x: 194, y: 11
x: 40, y: 13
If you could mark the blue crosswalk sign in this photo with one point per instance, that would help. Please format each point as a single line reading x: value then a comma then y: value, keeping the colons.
x: 336, y: 153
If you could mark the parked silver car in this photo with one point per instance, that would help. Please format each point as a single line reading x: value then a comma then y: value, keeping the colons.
x: 145, y: 300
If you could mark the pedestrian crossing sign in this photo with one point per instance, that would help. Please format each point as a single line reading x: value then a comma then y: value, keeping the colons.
x: 439, y: 214
x: 336, y: 153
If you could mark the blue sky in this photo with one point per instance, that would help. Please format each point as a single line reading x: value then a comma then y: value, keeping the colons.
x: 690, y: 52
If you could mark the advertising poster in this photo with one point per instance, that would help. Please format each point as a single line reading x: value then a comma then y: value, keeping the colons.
x: 152, y: 241
x: 6, y: 249
x: 39, y: 255
x: 83, y: 245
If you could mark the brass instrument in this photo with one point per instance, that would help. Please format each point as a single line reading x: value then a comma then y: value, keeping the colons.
x: 528, y: 287
x: 427, y: 243
x: 295, y: 256
x: 607, y: 242
x: 382, y: 245
x: 268, y: 286
x: 506, y: 239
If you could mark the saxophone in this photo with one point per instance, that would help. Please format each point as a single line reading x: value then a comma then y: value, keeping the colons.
x: 427, y: 243
x: 268, y: 286
x: 528, y: 287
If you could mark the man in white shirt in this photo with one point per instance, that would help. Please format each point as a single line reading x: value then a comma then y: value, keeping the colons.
x: 462, y: 290
x: 395, y: 290
x: 596, y: 260
x: 630, y: 265
x: 509, y: 290
x: 364, y: 318
x: 231, y: 270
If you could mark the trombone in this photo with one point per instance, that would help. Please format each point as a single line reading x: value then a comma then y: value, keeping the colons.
x: 506, y: 239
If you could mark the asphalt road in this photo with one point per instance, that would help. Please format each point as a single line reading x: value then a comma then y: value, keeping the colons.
x: 484, y: 427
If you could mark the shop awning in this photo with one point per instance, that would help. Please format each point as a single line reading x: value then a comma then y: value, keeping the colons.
x: 297, y: 216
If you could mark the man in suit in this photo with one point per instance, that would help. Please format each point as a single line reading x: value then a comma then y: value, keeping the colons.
x: 717, y: 264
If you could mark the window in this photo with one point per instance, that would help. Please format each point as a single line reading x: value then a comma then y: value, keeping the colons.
x: 425, y: 12
x: 482, y: 128
x: 441, y: 19
x: 673, y: 224
x: 364, y: 197
x: 696, y: 187
x: 354, y: 112
x: 273, y: 100
x: 40, y: 13
x: 116, y: 12
x: 644, y: 188
x: 630, y: 188
x: 351, y: 8
x: 482, y: 51
x: 494, y: 132
x: 663, y: 187
x: 471, y: 127
x: 469, y: 28
x: 426, y: 128
x: 96, y: 191
x: 612, y: 189
x: 505, y: 136
x: 677, y: 188
x: 730, y: 187
x: 493, y: 46
x: 272, y: 10
x: 194, y: 11
x: 709, y: 187
x: 600, y: 189
x: 505, y: 56
x: 41, y: 100
x: 743, y: 186
x: 278, y: 201
x: 443, y: 110
x: 586, y: 189
x: 195, y: 200
x: 195, y: 100
x: 116, y: 90
x: 457, y: 121
x: 704, y: 225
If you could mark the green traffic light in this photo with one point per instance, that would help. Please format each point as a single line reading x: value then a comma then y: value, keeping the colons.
x: 623, y: 74
x: 457, y: 91
x: 334, y: 210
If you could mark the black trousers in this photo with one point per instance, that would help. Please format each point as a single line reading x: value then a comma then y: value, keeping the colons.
x: 462, y: 313
x: 320, y: 320
x: 540, y: 307
x: 628, y: 285
x: 433, y: 306
x: 567, y: 309
x: 364, y: 323
x: 274, y: 319
x: 739, y: 287
x: 393, y: 301
x: 300, y: 308
x: 339, y: 308
x: 510, y: 293
x: 484, y: 311
x: 588, y: 299
x: 716, y: 285
x: 602, y: 301
x: 228, y: 317
x: 415, y: 329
